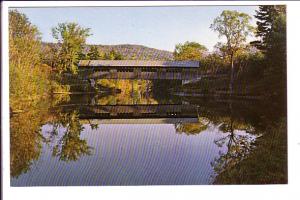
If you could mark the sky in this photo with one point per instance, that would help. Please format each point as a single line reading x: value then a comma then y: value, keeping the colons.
x: 156, y: 27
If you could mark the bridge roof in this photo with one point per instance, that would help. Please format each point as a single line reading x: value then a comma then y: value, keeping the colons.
x: 137, y: 63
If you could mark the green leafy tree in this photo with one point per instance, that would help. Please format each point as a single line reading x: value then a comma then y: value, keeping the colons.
x: 267, y: 15
x: 189, y: 51
x: 271, y: 31
x: 235, y: 27
x: 29, y: 78
x: 93, y: 54
x: 70, y: 38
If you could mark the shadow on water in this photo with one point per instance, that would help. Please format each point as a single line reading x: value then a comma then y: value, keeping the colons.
x: 85, y: 132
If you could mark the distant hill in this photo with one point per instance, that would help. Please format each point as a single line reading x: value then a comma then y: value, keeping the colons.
x: 137, y: 52
x: 132, y: 51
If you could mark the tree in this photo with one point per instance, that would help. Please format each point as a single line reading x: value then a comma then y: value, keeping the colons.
x: 213, y: 63
x: 266, y: 18
x: 70, y: 38
x: 235, y: 27
x: 49, y: 54
x: 113, y: 55
x: 93, y: 54
x: 189, y: 51
x: 221, y: 49
x: 28, y: 76
x: 82, y: 56
x: 271, y: 31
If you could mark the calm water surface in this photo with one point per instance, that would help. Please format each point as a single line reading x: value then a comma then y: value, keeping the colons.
x: 105, y: 141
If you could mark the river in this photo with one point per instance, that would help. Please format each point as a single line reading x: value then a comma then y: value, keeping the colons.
x: 121, y: 139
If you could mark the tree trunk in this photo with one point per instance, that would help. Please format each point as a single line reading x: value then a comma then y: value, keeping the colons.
x: 132, y: 88
x: 231, y: 76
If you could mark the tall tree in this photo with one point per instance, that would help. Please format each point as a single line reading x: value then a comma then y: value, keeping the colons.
x: 271, y: 32
x: 266, y: 19
x: 28, y: 77
x: 70, y: 38
x: 24, y: 40
x: 235, y: 27
x: 189, y: 51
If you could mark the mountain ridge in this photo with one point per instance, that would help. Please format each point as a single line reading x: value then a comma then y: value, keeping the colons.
x: 130, y: 51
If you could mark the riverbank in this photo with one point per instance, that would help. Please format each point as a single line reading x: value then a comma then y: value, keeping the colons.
x: 267, y: 164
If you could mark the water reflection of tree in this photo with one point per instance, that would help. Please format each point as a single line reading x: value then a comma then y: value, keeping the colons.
x: 127, y: 99
x: 192, y: 128
x: 93, y: 126
x: 139, y: 92
x: 25, y: 139
x: 238, y: 144
x: 25, y: 131
x: 70, y: 147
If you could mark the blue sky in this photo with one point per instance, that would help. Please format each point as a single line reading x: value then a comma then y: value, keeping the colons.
x: 156, y: 27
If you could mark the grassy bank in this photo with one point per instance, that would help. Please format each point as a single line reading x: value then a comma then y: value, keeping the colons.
x: 267, y: 164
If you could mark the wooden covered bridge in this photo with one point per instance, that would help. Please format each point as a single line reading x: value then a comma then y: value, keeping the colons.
x: 139, y: 69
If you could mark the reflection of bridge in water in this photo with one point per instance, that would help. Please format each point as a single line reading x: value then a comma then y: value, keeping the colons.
x: 138, y: 69
x: 142, y: 121
x: 133, y: 111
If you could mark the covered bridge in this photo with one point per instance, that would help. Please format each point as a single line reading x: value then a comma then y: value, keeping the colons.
x: 139, y: 69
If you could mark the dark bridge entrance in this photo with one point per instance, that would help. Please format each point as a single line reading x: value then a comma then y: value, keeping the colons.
x: 138, y: 69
